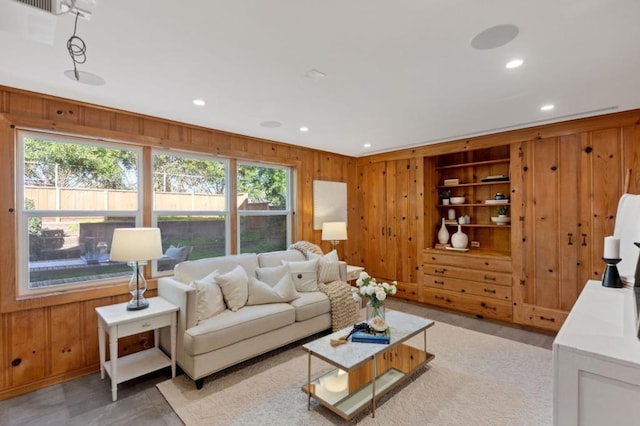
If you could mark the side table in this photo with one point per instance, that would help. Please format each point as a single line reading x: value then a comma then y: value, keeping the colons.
x: 118, y: 322
x: 353, y: 272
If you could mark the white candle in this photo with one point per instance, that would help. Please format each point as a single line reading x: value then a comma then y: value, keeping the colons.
x: 611, y: 248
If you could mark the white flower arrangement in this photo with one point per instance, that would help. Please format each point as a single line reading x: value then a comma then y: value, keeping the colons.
x: 376, y: 292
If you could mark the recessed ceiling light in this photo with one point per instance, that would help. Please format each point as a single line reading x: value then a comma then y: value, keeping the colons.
x: 367, y: 145
x: 547, y: 107
x: 271, y: 124
x: 304, y: 129
x: 199, y: 102
x: 514, y: 63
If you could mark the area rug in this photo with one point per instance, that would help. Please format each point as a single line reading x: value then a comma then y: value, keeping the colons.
x: 475, y: 379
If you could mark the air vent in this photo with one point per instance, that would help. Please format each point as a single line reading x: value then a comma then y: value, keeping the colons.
x: 46, y: 5
x: 57, y: 7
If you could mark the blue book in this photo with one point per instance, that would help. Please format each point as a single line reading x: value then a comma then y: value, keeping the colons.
x: 362, y: 337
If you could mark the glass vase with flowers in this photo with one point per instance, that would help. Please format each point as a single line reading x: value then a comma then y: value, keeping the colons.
x: 376, y: 293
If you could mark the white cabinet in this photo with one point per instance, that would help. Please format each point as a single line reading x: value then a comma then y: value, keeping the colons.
x: 596, y: 360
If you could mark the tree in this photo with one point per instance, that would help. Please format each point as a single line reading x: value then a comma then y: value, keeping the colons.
x: 264, y: 184
x: 72, y: 165
x: 181, y: 174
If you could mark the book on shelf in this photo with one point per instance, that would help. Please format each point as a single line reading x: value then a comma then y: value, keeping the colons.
x: 506, y: 201
x: 442, y: 246
x: 362, y: 337
x: 495, y: 178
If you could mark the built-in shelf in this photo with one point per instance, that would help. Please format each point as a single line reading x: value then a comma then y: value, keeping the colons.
x: 474, y: 164
x: 478, y: 225
x: 460, y: 185
x: 467, y: 170
x: 473, y: 205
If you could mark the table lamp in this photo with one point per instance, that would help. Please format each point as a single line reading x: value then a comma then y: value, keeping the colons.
x: 334, y: 232
x: 136, y: 246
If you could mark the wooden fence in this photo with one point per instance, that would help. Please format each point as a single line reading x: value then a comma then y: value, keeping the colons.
x: 113, y: 199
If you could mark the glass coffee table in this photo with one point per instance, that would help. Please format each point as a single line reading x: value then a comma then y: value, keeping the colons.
x: 351, y: 388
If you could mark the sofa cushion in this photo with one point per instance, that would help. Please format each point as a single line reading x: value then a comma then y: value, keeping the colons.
x: 272, y: 274
x: 196, y: 269
x: 261, y: 293
x: 275, y: 258
x: 231, y: 327
x: 328, y: 266
x: 310, y: 305
x: 235, y: 287
x: 304, y: 274
x: 209, y: 301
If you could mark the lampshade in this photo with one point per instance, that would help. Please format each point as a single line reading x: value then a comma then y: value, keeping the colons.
x: 136, y: 244
x: 334, y: 231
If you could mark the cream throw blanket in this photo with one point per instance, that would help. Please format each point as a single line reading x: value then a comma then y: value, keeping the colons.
x: 343, y: 307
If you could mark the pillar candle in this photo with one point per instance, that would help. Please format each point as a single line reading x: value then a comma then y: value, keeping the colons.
x: 611, y: 248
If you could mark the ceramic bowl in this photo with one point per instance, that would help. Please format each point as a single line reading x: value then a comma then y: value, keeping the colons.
x: 457, y: 200
x: 500, y: 220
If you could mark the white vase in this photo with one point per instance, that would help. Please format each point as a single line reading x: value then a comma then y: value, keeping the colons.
x: 459, y: 239
x: 443, y: 234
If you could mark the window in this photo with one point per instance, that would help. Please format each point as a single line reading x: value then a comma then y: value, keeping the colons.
x: 190, y: 207
x: 72, y: 194
x: 264, y: 208
x: 75, y: 191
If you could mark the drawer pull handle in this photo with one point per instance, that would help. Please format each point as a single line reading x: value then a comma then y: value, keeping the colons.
x: 547, y: 319
x: 439, y: 297
x: 440, y: 271
x: 438, y: 282
x: 489, y: 278
x: 570, y: 235
x: 487, y: 290
x: 484, y: 305
x: 584, y: 240
x: 146, y: 324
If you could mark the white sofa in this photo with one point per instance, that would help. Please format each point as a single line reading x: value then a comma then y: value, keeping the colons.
x: 231, y: 337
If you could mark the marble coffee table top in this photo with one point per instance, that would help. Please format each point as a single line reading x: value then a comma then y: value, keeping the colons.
x: 347, y: 356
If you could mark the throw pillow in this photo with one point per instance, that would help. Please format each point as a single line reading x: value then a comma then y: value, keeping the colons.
x: 304, y: 274
x: 272, y: 274
x: 234, y: 287
x: 261, y: 293
x: 328, y: 266
x: 209, y: 301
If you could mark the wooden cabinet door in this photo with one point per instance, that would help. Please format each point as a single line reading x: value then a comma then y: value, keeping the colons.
x: 373, y: 217
x: 565, y: 195
x: 389, y: 205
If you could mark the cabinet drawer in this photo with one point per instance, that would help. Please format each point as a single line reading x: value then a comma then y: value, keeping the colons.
x: 535, y: 316
x: 469, y: 287
x: 144, y: 324
x: 489, y: 277
x: 477, y: 305
x: 407, y: 291
x: 467, y: 260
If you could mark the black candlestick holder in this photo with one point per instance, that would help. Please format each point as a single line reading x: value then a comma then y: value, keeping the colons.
x: 611, y: 276
x: 637, y: 275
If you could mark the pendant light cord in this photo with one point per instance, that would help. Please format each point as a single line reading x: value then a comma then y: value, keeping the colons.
x: 77, y: 49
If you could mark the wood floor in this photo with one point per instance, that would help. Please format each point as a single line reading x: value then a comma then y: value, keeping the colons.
x: 87, y: 400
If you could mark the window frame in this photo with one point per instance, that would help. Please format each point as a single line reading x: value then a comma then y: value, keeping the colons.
x: 155, y: 214
x: 288, y: 212
x: 23, y: 289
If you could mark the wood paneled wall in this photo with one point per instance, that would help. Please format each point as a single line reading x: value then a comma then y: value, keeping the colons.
x: 51, y: 339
